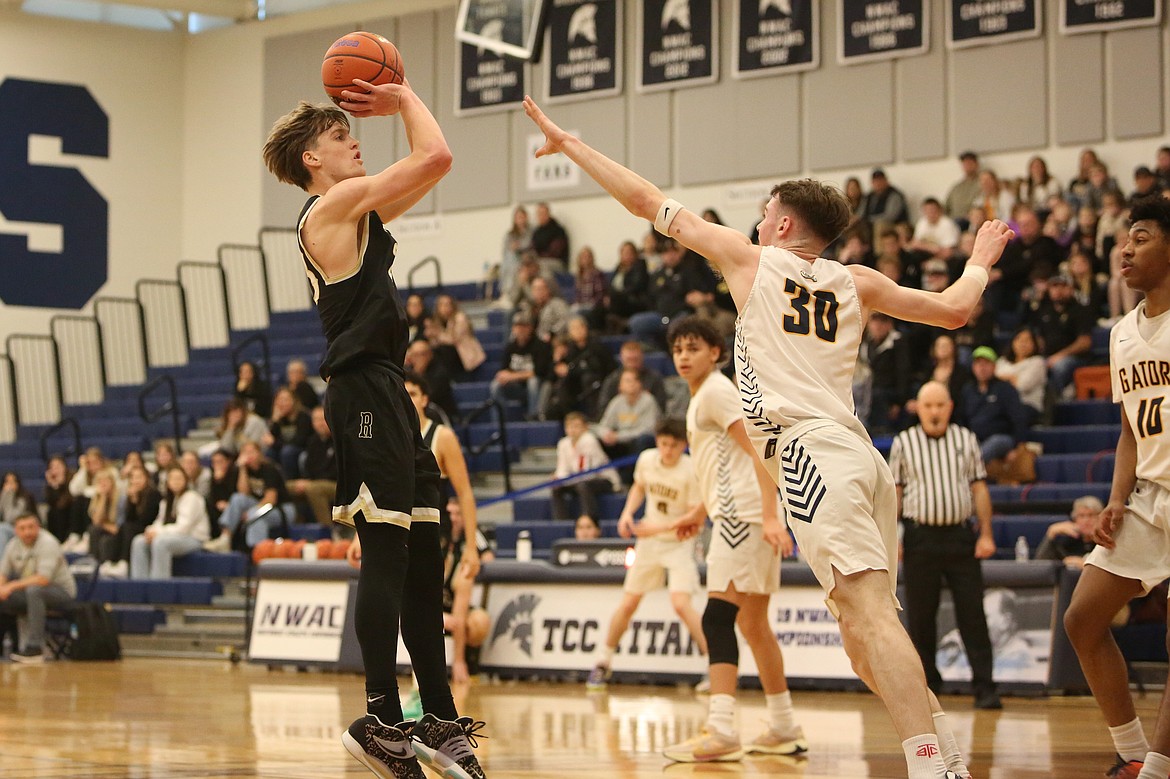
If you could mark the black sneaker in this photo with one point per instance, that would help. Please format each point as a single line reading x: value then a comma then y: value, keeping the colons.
x: 383, y: 749
x: 445, y: 747
x: 1125, y: 769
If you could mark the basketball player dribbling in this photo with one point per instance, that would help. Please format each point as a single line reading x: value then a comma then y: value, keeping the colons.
x: 388, y: 481
x: 801, y: 319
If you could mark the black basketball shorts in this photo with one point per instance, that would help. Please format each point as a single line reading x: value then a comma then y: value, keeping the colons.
x: 384, y: 470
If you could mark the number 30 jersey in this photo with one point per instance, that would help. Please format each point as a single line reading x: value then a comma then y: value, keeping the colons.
x: 796, y: 344
x: 1140, y: 372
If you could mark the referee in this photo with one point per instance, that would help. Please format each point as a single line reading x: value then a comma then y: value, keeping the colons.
x: 939, y: 473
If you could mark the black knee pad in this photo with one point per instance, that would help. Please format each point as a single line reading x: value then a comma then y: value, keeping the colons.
x: 719, y: 628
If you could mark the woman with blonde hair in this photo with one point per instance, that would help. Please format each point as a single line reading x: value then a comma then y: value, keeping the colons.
x: 180, y: 528
x: 103, y: 516
x: 453, y: 337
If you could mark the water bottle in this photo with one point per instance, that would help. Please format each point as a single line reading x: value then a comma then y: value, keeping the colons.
x: 310, y: 551
x: 524, y: 547
x: 1021, y: 550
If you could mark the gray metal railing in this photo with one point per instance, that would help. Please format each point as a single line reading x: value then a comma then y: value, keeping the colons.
x: 35, y: 364
x: 288, y: 288
x: 247, y: 286
x: 79, y: 346
x: 205, y: 289
x: 424, y: 262
x: 164, y: 307
x: 123, y: 339
x: 169, y: 408
x: 70, y: 453
x: 8, y: 408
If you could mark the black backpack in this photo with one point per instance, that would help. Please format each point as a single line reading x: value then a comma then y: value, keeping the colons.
x: 94, y: 634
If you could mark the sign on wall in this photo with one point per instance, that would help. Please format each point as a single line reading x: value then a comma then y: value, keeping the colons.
x: 487, y: 81
x: 1095, y: 15
x: 977, y: 22
x: 677, y: 43
x: 881, y: 29
x: 299, y: 620
x: 553, y: 171
x: 775, y: 36
x: 584, y: 49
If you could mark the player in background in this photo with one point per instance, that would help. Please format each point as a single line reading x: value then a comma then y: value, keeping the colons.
x: 801, y: 319
x: 1133, y: 531
x: 664, y: 479
x: 387, y: 483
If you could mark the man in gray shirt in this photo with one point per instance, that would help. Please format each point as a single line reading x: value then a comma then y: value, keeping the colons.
x: 627, y: 426
x: 34, y: 578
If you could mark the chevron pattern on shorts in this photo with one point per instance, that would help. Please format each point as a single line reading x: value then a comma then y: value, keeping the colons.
x: 734, y: 532
x: 750, y: 394
x: 803, y: 487
x: 724, y: 490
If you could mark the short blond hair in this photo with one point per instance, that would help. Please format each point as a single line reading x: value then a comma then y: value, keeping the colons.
x: 295, y: 132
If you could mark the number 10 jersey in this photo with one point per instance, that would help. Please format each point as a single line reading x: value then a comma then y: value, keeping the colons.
x: 1140, y: 373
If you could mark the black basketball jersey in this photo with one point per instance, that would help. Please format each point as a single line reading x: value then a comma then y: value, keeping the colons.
x: 362, y: 313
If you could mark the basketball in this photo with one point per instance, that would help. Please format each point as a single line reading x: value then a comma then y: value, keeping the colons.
x: 361, y: 55
x: 324, y: 549
x: 339, y: 550
x: 263, y: 550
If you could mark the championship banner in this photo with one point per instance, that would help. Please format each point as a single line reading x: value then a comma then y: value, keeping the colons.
x: 881, y: 29
x: 775, y: 36
x: 678, y: 43
x: 487, y: 81
x: 298, y: 620
x: 584, y: 50
x: 978, y: 22
x: 1097, y: 15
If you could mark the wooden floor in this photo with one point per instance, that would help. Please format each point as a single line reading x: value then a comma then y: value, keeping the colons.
x: 161, y: 719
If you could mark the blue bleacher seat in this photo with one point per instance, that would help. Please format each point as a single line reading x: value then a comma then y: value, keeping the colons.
x: 1076, y: 438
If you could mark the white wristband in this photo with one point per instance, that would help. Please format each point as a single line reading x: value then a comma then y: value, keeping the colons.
x: 667, y: 212
x: 978, y: 273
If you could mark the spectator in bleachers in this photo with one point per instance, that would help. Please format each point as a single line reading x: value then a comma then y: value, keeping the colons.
x: 1088, y: 287
x: 1024, y: 368
x: 453, y: 338
x: 549, y: 312
x: 15, y: 501
x: 164, y: 458
x: 1062, y: 224
x: 979, y: 330
x: 1162, y: 168
x: 101, y: 538
x: 1145, y: 183
x: 526, y: 364
x: 885, y: 351
x: 1112, y: 220
x: 579, y: 367
x: 467, y: 625
x: 131, y: 460
x: 669, y: 287
x: 935, y: 233
x: 963, y: 193
x: 517, y: 241
x: 890, y: 248
x: 238, y: 425
x: 417, y: 318
x: 629, y: 289
x: 1069, y: 541
x: 1078, y: 187
x: 577, y: 452
x: 287, y: 433
x: 991, y: 408
x: 1039, y: 187
x: 520, y: 296
x: 853, y: 193
x: 1084, y: 235
x: 944, y: 368
x: 1122, y: 297
x: 884, y: 205
x: 1100, y: 182
x: 136, y: 510
x: 587, y: 528
x: 259, y: 491
x: 297, y: 376
x: 632, y: 357
x: 34, y: 577
x: 58, y: 498
x: 1039, y: 253
x: 590, y: 287
x: 420, y: 358
x: 81, y: 486
x: 653, y: 244
x: 627, y: 426
x: 253, y: 389
x: 550, y: 241
x: 223, y: 484
x: 993, y: 197
x: 1065, y: 329
x: 855, y: 246
x: 318, y: 482
x: 179, y: 529
x: 199, y: 476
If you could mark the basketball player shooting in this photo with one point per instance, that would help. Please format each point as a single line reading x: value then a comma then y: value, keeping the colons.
x: 801, y: 319
x: 388, y: 481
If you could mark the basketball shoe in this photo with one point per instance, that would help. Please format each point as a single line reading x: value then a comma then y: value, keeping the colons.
x: 775, y: 742
x: 598, y: 677
x: 1125, y: 769
x: 708, y: 747
x: 383, y: 749
x: 445, y: 747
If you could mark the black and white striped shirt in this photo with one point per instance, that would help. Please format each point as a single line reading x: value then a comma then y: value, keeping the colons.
x: 936, y: 474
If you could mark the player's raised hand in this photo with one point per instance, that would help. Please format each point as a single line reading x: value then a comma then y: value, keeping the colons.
x: 990, y: 241
x: 1108, y: 522
x: 554, y: 136
x: 375, y: 100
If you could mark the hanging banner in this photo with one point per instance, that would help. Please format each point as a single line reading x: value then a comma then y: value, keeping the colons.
x: 881, y: 29
x: 774, y: 36
x: 678, y: 43
x: 584, y: 50
x: 1096, y: 15
x: 977, y: 22
x: 487, y: 81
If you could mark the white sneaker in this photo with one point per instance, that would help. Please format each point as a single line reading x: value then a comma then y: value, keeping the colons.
x: 69, y: 545
x: 704, y: 684
x: 112, y: 570
x: 221, y: 543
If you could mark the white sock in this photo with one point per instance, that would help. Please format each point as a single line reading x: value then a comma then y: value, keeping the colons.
x: 721, y: 714
x: 606, y: 656
x: 1130, y: 740
x: 1157, y: 766
x: 924, y: 759
x: 950, y: 748
x: 780, y: 714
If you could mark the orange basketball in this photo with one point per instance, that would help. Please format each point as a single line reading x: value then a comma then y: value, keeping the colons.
x: 298, y: 549
x: 263, y: 550
x: 361, y: 55
x: 324, y: 549
x: 339, y: 550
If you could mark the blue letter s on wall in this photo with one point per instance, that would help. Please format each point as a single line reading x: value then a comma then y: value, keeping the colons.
x: 52, y: 195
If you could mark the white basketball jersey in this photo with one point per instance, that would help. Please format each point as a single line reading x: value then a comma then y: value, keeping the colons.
x: 1140, y: 372
x: 796, y: 343
x: 726, y: 473
x: 670, y: 491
